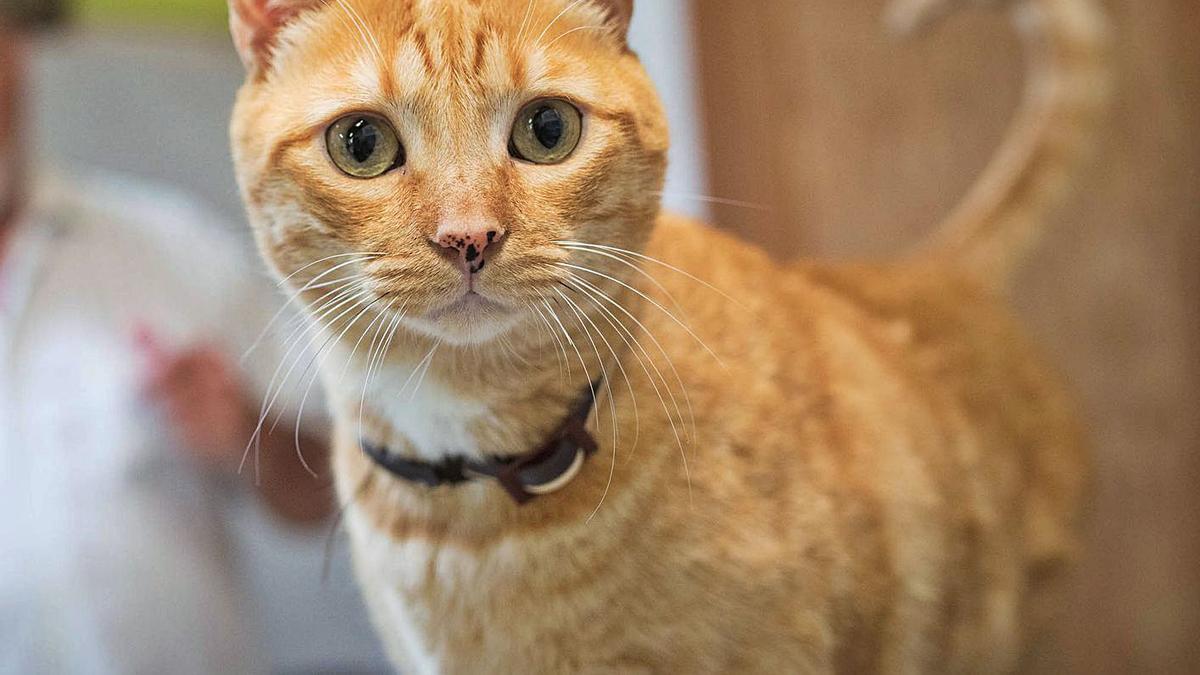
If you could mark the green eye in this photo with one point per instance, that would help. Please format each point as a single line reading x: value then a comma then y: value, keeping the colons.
x: 547, y: 131
x: 364, y: 146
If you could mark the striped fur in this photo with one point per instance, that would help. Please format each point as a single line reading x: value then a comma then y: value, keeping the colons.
x: 818, y: 468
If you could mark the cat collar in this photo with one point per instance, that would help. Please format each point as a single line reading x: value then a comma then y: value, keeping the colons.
x: 537, y: 473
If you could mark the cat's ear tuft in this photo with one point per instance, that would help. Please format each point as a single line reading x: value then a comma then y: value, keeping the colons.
x: 620, y: 13
x: 255, y: 24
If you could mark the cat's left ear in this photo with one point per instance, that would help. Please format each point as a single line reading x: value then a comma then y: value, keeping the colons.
x: 620, y: 13
x: 255, y: 24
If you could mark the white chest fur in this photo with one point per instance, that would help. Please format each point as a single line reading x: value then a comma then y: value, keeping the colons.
x: 377, y: 557
x: 419, y: 593
x: 434, y: 421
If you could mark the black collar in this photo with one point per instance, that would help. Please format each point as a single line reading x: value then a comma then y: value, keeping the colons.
x: 542, y: 471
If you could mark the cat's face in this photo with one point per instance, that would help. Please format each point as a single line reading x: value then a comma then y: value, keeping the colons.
x: 454, y: 142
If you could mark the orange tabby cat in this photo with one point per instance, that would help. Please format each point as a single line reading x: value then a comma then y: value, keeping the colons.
x: 563, y: 451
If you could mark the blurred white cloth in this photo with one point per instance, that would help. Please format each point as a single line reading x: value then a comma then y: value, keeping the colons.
x: 114, y: 557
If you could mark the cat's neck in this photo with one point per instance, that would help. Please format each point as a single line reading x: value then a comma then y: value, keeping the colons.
x: 432, y: 402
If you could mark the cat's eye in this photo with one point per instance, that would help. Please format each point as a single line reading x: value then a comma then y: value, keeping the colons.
x: 547, y: 131
x: 364, y: 146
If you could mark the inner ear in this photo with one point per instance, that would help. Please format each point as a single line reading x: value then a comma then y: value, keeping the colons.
x: 256, y: 23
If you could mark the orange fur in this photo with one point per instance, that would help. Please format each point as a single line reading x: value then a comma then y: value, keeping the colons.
x: 818, y: 468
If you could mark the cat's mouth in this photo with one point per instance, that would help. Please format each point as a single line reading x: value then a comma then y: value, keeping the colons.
x: 466, y: 315
x: 469, y: 305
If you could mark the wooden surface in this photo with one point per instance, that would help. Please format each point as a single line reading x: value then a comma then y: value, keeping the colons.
x: 857, y: 143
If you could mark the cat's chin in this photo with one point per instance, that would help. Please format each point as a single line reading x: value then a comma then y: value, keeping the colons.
x: 471, y: 320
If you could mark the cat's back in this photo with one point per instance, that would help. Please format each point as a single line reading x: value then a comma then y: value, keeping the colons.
x: 945, y: 454
x: 917, y: 327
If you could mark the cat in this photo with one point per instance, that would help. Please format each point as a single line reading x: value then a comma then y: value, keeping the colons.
x: 577, y: 434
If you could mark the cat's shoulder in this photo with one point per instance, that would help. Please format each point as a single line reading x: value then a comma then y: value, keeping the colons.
x: 707, y: 251
x: 695, y: 245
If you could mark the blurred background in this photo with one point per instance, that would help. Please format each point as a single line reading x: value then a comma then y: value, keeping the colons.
x: 797, y: 123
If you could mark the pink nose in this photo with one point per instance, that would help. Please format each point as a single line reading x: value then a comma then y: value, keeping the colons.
x: 470, y: 242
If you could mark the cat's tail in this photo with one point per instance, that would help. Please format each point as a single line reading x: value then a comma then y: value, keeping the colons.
x: 1067, y: 89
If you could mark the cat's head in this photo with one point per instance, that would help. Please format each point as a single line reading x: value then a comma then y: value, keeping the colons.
x: 454, y: 144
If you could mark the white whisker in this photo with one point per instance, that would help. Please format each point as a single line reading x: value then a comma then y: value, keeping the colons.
x: 637, y: 268
x: 722, y: 201
x: 293, y: 341
x: 329, y: 284
x: 575, y: 30
x: 554, y: 315
x: 578, y: 354
x: 561, y: 14
x: 418, y: 367
x: 392, y: 329
x: 561, y: 354
x: 354, y: 300
x: 525, y: 22
x: 363, y: 31
x: 599, y: 360
x: 582, y: 286
x: 327, y: 349
x: 366, y: 256
x: 612, y: 406
x: 330, y: 342
x: 359, y: 258
x: 655, y: 261
x: 425, y: 371
x: 620, y: 366
x: 652, y: 301
x: 372, y: 358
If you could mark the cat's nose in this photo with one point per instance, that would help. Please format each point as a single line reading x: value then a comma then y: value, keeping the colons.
x: 469, y: 242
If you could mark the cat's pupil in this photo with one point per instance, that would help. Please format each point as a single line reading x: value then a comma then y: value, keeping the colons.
x: 548, y: 127
x: 361, y: 140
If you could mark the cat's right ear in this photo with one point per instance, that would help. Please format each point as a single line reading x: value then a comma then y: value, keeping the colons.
x: 620, y: 12
x: 255, y: 24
